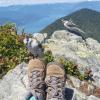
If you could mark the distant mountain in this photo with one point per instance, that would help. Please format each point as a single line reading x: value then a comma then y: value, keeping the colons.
x: 35, y: 17
x: 85, y: 19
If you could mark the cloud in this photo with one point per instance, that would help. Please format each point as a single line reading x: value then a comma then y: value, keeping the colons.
x: 16, y: 2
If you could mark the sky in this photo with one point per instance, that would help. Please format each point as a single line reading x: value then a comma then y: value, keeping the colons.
x: 20, y: 2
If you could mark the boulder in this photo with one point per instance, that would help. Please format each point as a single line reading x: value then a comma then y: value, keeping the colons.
x: 97, y: 92
x: 14, y: 85
x: 69, y: 45
x: 86, y: 54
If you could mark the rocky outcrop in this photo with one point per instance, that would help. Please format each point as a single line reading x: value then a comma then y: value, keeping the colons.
x: 85, y: 53
x: 14, y: 85
x: 71, y: 46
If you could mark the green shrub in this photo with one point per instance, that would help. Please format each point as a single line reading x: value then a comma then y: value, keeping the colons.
x: 48, y: 57
x: 72, y: 69
x: 12, y: 49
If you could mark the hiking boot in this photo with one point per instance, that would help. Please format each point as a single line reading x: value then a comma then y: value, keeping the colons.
x: 36, y: 75
x: 55, y: 80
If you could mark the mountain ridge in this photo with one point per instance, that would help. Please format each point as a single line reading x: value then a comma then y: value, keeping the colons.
x: 34, y: 18
x: 85, y: 19
x: 50, y: 3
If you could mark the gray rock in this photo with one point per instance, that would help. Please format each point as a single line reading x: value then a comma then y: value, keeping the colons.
x: 79, y: 96
x: 40, y: 37
x: 14, y: 84
x: 96, y: 77
x: 73, y: 47
x: 76, y: 82
x: 92, y: 98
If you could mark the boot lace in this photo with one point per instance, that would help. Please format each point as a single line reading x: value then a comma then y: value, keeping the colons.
x: 36, y: 83
x: 55, y: 88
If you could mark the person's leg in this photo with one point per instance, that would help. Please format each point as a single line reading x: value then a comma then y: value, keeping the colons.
x: 36, y: 75
x: 55, y: 80
x: 28, y: 95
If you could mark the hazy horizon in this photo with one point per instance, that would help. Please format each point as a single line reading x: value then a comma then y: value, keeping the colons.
x: 34, y: 18
x: 30, y: 2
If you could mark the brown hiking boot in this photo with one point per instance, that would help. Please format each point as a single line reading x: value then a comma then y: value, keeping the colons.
x: 55, y: 80
x: 36, y: 75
